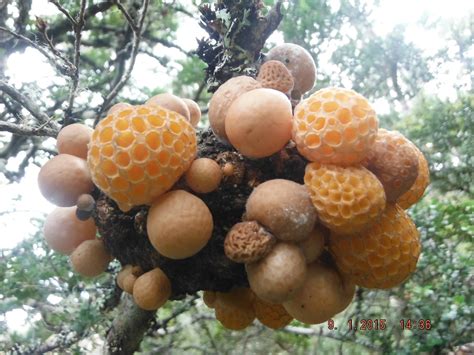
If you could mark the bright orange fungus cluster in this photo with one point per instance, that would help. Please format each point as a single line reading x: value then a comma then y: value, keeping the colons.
x: 305, y: 246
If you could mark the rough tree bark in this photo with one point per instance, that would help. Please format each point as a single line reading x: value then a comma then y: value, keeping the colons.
x: 237, y: 33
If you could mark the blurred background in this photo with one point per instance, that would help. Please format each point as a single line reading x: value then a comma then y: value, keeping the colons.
x: 413, y: 59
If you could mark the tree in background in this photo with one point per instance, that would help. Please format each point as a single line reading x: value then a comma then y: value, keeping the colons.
x: 93, y: 46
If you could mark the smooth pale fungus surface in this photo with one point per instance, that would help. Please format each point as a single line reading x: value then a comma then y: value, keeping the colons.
x: 179, y: 224
x: 382, y: 256
x: 313, y: 245
x: 234, y: 309
x: 170, y: 102
x: 63, y: 179
x: 223, y: 98
x: 300, y: 64
x: 204, y: 175
x: 151, y: 290
x: 323, y: 294
x: 194, y: 111
x: 90, y: 258
x: 258, y: 122
x: 127, y: 276
x: 279, y: 275
x: 272, y: 315
x: 274, y: 75
x: 334, y: 125
x: 138, y: 153
x: 416, y: 191
x: 63, y: 231
x: 284, y: 207
x: 247, y: 242
x: 73, y: 139
x: 394, y: 161
x: 347, y: 199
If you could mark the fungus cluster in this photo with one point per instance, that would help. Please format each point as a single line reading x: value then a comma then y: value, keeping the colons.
x: 303, y: 245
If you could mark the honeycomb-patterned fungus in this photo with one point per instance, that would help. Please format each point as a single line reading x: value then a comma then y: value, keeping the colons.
x: 416, y: 191
x: 347, y: 199
x: 137, y: 153
x: 335, y: 126
x: 384, y: 255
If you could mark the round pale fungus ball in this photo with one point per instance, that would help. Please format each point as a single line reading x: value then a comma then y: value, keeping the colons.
x: 90, y: 258
x: 416, y: 191
x: 204, y: 175
x: 382, y: 256
x: 234, y: 309
x: 194, y: 111
x: 258, y: 123
x: 323, y: 294
x: 394, y: 161
x: 179, y: 224
x: 300, y: 64
x: 127, y: 276
x: 313, y: 246
x: 138, y: 153
x: 284, y: 207
x: 334, y: 125
x: 151, y: 290
x: 73, y: 139
x: 272, y: 315
x: 278, y: 276
x: 209, y: 298
x: 170, y: 102
x: 63, y: 179
x: 223, y: 98
x: 64, y: 232
x: 347, y: 199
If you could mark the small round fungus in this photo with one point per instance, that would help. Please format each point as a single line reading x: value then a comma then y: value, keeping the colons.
x: 335, y: 126
x: 234, y: 309
x: 209, y: 298
x: 204, y: 175
x: 247, y: 242
x: 284, y: 207
x: 151, y: 290
x: 258, y: 122
x: 278, y: 276
x: 194, y: 111
x: 313, y: 246
x: 416, y: 191
x: 347, y: 199
x: 73, y: 139
x: 382, y: 256
x: 223, y: 98
x: 394, y: 161
x: 300, y: 64
x: 323, y: 294
x: 63, y: 179
x: 63, y: 231
x: 170, y: 102
x: 90, y: 258
x: 272, y: 315
x: 127, y: 276
x: 274, y: 75
x: 179, y: 224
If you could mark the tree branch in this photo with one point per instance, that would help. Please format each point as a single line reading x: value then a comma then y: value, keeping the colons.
x: 135, y: 47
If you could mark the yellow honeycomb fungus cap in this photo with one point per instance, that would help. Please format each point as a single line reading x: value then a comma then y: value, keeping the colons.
x: 334, y: 125
x: 137, y: 153
x: 347, y: 199
x: 384, y: 255
x: 416, y: 191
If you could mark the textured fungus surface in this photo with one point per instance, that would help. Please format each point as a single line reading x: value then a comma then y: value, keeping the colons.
x: 124, y: 234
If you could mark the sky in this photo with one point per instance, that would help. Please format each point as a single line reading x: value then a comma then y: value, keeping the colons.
x: 30, y: 67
